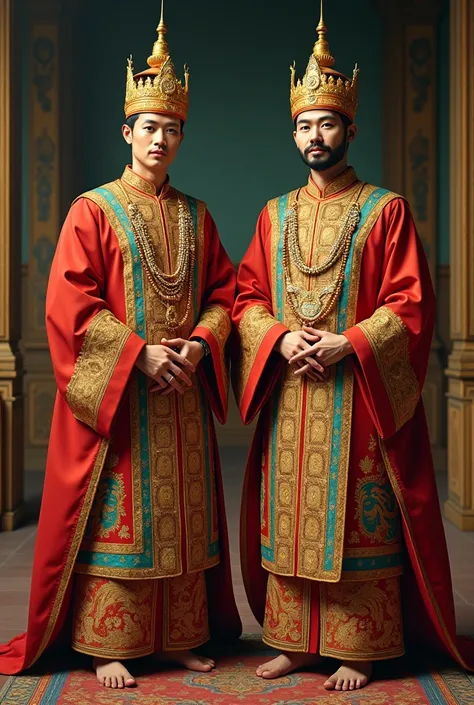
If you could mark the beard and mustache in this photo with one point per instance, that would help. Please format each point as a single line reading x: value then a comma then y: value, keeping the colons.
x: 326, y: 159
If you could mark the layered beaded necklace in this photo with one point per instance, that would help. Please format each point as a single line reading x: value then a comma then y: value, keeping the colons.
x: 310, y: 307
x: 169, y: 287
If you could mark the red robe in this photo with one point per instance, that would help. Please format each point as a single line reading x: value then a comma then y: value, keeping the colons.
x: 386, y: 310
x: 100, y: 307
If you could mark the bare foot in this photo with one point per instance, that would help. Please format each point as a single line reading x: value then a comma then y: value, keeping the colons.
x: 191, y: 661
x: 112, y: 674
x: 352, y: 675
x: 286, y: 663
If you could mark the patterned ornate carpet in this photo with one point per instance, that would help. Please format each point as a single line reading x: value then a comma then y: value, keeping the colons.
x: 233, y: 682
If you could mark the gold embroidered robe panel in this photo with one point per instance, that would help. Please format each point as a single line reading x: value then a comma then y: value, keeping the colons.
x: 162, y: 521
x: 303, y: 513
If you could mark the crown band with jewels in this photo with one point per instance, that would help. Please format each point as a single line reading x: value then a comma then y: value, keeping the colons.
x: 157, y: 89
x: 321, y: 87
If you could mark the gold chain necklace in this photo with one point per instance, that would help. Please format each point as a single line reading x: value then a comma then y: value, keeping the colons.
x: 308, y: 306
x: 169, y: 287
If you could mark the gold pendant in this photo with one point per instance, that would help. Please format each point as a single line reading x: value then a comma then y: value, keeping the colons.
x: 309, y: 309
x: 171, y: 316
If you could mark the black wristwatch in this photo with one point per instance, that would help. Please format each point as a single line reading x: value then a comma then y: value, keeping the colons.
x: 207, y: 349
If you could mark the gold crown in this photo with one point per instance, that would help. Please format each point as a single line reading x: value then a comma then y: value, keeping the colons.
x: 157, y: 89
x: 321, y: 87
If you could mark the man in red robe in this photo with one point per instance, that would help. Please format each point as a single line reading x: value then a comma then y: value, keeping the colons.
x: 343, y: 549
x: 132, y: 534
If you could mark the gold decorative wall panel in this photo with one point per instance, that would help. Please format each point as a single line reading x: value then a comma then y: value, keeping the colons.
x: 11, y: 371
x: 44, y: 220
x: 410, y: 152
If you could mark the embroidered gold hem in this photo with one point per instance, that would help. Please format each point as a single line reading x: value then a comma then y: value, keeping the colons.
x: 75, y: 545
x: 254, y: 326
x: 121, y: 619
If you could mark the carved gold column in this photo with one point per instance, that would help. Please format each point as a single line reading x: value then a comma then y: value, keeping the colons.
x: 11, y: 371
x: 460, y: 505
x: 410, y: 149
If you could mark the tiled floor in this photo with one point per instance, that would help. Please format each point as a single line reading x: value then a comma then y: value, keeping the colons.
x: 16, y: 554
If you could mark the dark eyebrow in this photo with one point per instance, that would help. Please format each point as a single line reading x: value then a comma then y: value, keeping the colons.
x: 321, y: 119
x: 149, y: 121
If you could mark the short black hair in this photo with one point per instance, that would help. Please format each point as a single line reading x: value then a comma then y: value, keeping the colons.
x: 345, y: 120
x: 130, y: 121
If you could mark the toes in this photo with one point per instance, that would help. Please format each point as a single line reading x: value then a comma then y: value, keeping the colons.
x: 120, y: 682
x: 130, y: 682
x: 345, y: 685
x: 107, y: 682
x: 114, y: 681
x: 358, y: 684
x: 339, y: 684
x: 351, y: 685
x: 329, y: 684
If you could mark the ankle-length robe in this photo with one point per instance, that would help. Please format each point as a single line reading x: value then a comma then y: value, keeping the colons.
x: 133, y: 487
x: 330, y: 461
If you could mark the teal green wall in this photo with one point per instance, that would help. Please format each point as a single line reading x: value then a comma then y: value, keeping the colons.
x: 443, y: 137
x: 238, y: 150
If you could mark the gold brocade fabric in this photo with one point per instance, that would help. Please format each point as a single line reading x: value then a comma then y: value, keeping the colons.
x: 155, y: 525
x: 361, y: 621
x: 121, y: 619
x: 286, y: 623
x: 254, y: 326
x: 354, y: 621
x: 388, y: 339
x: 103, y: 344
x: 300, y: 487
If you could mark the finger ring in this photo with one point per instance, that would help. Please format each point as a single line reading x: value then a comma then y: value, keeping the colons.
x: 169, y: 378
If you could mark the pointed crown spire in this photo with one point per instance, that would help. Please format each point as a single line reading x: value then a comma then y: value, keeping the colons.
x: 321, y: 48
x: 160, y: 48
x: 157, y: 89
x: 322, y: 87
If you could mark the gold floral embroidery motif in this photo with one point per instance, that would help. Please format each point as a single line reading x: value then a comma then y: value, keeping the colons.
x: 103, y: 344
x: 108, y: 506
x: 217, y: 320
x: 114, y: 618
x: 254, y: 326
x: 361, y: 621
x: 287, y: 613
x: 388, y: 339
x: 185, y: 616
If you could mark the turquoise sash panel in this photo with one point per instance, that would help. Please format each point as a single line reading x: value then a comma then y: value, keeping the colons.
x: 144, y: 559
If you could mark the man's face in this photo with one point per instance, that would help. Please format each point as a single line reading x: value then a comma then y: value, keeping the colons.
x: 322, y: 138
x: 155, y: 140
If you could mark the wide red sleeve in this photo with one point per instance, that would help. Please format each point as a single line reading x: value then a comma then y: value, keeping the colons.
x: 214, y: 324
x: 257, y: 366
x: 392, y: 346
x: 93, y: 353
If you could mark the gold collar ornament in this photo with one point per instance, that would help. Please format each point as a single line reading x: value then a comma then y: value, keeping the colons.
x: 321, y: 87
x: 157, y: 89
